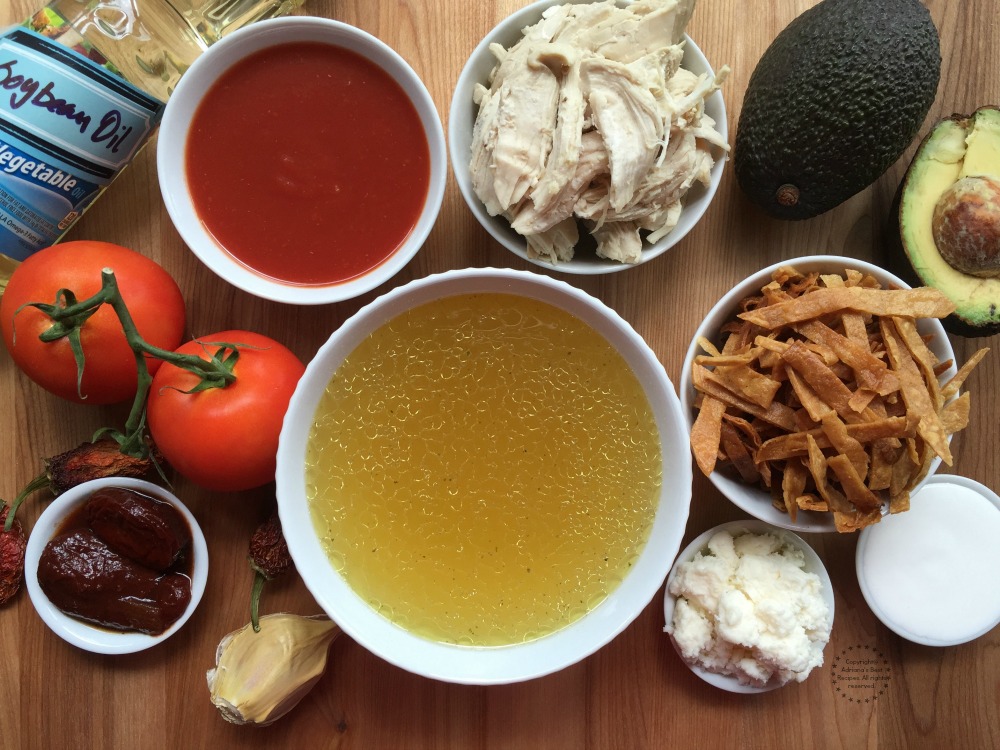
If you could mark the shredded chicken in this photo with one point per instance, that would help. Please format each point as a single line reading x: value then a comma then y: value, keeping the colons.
x: 590, y: 118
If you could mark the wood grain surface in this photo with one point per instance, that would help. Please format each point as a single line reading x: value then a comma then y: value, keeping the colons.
x: 635, y: 692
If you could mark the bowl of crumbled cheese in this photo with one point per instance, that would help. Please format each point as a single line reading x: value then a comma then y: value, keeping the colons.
x: 749, y: 607
x: 589, y: 137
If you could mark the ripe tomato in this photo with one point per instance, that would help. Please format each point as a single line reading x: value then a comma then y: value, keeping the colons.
x: 225, y: 439
x: 109, y: 373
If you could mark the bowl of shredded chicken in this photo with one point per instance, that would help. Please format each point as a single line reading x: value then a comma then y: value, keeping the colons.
x: 589, y: 137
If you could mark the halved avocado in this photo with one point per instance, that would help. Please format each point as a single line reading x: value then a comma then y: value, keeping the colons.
x: 949, y: 217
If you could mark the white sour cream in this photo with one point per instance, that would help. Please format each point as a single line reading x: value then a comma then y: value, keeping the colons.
x: 930, y: 574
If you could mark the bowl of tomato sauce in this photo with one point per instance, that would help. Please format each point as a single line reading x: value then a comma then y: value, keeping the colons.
x: 302, y: 160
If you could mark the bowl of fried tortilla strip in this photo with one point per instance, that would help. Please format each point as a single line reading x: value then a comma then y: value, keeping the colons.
x: 822, y: 392
x: 589, y: 137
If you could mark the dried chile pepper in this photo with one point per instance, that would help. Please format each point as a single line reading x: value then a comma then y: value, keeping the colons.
x: 268, y: 558
x: 12, y: 546
x: 98, y: 459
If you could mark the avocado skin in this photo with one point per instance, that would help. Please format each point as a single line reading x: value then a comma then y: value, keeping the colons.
x: 834, y: 101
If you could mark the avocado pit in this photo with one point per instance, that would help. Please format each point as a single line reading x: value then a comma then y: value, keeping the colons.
x: 966, y: 226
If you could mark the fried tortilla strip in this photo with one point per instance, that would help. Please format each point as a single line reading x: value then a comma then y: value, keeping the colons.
x: 955, y: 415
x: 855, y: 329
x: 847, y: 523
x: 773, y: 294
x: 749, y: 431
x: 924, y: 357
x: 870, y: 372
x: 777, y: 413
x: 924, y: 302
x: 792, y: 444
x: 952, y: 387
x: 823, y: 380
x: 917, y: 398
x: 854, y: 487
x: 811, y: 502
x: 771, y: 344
x: 740, y: 336
x: 780, y: 347
x: 902, y: 470
x: 811, y: 402
x: 728, y: 360
x: 797, y: 284
x: 709, y: 347
x: 817, y: 468
x: 747, y: 383
x: 751, y: 439
x: 911, y: 450
x: 884, y: 453
x: 924, y: 468
x: 861, y: 399
x: 832, y: 280
x: 942, y: 367
x: 738, y: 454
x: 854, y: 323
x: 706, y: 434
x: 899, y: 503
x: 776, y: 347
x: 803, y: 422
x: 793, y: 485
x: 843, y: 443
x: 767, y: 360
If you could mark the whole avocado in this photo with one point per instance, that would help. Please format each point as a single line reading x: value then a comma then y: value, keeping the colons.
x: 833, y: 103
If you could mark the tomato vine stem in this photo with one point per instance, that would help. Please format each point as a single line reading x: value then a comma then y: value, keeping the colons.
x: 68, y: 316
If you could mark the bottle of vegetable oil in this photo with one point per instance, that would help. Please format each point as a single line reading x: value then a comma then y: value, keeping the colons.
x: 82, y: 88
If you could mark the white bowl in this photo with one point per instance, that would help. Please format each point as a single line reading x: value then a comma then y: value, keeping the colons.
x: 462, y: 118
x: 183, y: 103
x: 699, y: 543
x: 92, y: 637
x: 750, y: 498
x: 469, y: 664
x: 930, y: 574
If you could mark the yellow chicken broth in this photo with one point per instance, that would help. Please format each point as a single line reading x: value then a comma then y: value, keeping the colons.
x: 484, y: 469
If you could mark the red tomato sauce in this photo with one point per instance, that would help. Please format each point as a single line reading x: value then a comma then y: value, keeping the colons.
x: 308, y: 163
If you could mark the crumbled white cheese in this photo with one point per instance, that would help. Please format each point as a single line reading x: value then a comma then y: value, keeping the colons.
x: 747, y: 607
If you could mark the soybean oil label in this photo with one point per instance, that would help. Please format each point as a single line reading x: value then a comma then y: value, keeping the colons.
x: 67, y: 127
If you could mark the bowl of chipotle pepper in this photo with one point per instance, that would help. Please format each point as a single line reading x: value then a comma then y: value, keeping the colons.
x: 116, y: 565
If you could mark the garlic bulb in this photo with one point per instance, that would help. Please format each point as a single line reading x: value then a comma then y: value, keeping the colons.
x: 261, y: 676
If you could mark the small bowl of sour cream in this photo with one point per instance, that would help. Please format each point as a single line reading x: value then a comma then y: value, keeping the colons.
x: 302, y: 160
x: 930, y: 574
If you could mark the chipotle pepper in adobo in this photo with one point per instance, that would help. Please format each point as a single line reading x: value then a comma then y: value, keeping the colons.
x: 148, y: 531
x: 83, y: 577
x: 120, y: 562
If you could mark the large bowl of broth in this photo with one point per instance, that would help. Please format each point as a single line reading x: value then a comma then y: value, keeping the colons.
x: 483, y: 476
